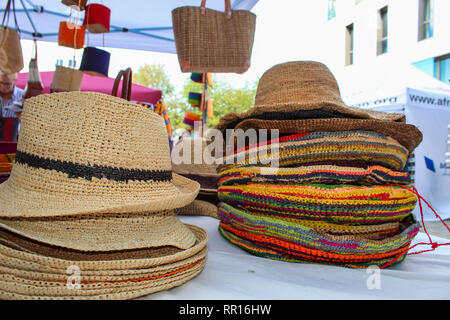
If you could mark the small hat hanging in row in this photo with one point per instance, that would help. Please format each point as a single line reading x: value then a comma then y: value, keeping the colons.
x: 97, y: 16
x: 95, y: 61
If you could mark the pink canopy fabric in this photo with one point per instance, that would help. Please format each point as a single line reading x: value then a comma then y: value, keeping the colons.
x: 98, y: 84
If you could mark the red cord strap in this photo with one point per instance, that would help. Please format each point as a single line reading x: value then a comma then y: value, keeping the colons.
x: 434, y: 245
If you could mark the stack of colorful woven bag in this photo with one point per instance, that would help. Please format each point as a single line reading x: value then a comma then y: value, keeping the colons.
x: 331, y: 188
x: 88, y: 211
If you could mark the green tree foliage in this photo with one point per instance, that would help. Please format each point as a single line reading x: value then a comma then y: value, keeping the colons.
x: 154, y: 76
x: 226, y: 98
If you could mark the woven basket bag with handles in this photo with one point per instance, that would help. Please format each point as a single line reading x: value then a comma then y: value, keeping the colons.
x: 212, y: 41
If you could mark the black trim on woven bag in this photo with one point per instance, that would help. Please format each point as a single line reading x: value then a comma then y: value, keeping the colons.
x: 75, y: 170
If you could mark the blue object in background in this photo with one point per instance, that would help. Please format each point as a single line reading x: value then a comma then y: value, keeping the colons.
x: 430, y: 164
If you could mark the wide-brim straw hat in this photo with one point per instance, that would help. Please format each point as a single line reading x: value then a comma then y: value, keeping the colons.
x: 406, y: 134
x: 345, y: 204
x: 34, y: 276
x: 296, y: 233
x: 106, y: 232
x: 85, y: 152
x: 41, y: 256
x: 301, y: 90
x: 313, y: 174
x: 339, y: 148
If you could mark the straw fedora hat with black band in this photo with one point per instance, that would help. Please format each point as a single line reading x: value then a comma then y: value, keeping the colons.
x: 297, y: 91
x: 85, y: 152
x: 86, y: 176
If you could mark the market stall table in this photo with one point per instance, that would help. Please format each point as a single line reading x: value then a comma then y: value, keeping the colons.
x: 231, y: 273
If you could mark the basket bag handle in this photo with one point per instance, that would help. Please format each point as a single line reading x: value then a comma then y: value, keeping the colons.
x: 227, y: 8
x: 126, y: 75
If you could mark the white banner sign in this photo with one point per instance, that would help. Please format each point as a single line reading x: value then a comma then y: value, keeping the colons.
x: 431, y: 114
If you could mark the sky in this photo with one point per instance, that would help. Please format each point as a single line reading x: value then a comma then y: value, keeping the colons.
x: 283, y: 33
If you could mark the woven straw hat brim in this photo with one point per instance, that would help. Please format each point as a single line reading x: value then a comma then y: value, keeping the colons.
x: 22, y: 269
x: 152, y: 258
x: 31, y: 192
x: 338, y: 148
x: 332, y: 203
x: 294, y: 232
x: 406, y: 134
x: 231, y: 120
x: 313, y: 174
x: 269, y: 253
x: 14, y: 290
x: 105, y: 232
x: 303, y: 87
x: 199, y: 208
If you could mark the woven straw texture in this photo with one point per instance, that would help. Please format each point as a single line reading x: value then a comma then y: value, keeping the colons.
x: 19, y: 289
x: 295, y: 233
x: 107, y: 232
x: 331, y: 203
x: 25, y: 274
x: 40, y: 256
x: 331, y: 189
x: 212, y: 42
x: 339, y: 148
x: 263, y: 246
x: 406, y: 134
x: 84, y: 152
x: 313, y: 174
x: 301, y: 86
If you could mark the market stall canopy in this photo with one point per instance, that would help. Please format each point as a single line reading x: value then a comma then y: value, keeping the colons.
x: 381, y: 86
x: 98, y: 84
x: 137, y: 24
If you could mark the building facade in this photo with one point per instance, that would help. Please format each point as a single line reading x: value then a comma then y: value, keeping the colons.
x: 373, y: 34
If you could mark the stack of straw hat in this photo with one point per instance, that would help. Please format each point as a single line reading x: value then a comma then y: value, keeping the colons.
x: 191, y: 159
x: 88, y: 211
x: 338, y: 193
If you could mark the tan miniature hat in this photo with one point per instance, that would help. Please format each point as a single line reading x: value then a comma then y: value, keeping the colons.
x: 193, y: 162
x: 301, y: 90
x: 85, y: 152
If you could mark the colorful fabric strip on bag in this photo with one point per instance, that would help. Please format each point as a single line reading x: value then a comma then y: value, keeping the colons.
x: 313, y: 174
x: 332, y: 203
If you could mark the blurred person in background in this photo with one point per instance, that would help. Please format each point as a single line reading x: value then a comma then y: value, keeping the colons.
x: 11, y: 97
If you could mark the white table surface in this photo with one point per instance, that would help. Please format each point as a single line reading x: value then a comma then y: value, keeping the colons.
x: 232, y: 273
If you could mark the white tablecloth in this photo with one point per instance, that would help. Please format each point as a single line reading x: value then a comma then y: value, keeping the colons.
x: 232, y: 273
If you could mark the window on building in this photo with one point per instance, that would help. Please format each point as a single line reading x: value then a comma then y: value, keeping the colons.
x: 331, y: 9
x: 443, y: 68
x: 425, y: 19
x: 382, y: 38
x: 349, y: 45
